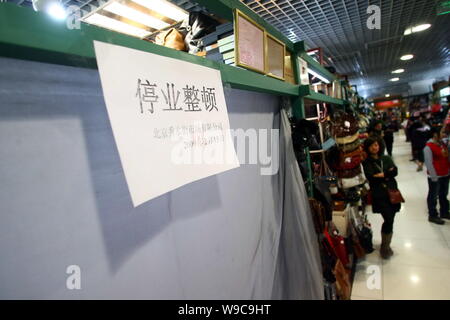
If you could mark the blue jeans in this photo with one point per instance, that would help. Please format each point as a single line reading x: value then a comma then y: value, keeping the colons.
x: 437, y: 190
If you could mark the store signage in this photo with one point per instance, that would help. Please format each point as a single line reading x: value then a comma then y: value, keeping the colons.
x: 388, y: 104
x: 169, y: 119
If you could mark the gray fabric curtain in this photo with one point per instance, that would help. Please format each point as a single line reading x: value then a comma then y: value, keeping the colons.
x: 299, y: 270
x: 64, y: 201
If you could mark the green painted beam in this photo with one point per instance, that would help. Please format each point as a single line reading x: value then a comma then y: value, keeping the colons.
x: 317, y: 67
x: 324, y: 98
x: 42, y: 39
x: 300, y: 47
x: 307, y: 93
x: 247, y: 80
x: 224, y: 9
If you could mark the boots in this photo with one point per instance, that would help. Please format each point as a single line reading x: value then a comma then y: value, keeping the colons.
x: 385, y: 249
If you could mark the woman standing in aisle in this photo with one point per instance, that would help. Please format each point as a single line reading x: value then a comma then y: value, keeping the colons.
x: 438, y: 166
x: 376, y: 132
x: 381, y: 171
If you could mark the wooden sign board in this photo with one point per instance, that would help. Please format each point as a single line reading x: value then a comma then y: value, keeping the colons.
x: 275, y: 52
x: 249, y: 43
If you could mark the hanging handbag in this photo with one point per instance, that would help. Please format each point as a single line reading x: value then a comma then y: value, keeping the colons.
x: 195, y: 28
x: 171, y: 38
x: 340, y: 220
x: 347, y: 183
x: 337, y: 242
x: 362, y: 228
x: 358, y: 249
x: 343, y: 285
x: 325, y: 173
x: 318, y: 215
x: 395, y: 197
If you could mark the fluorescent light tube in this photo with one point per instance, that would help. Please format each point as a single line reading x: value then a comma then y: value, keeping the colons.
x: 135, y: 15
x: 57, y: 11
x: 116, y: 25
x: 407, y: 57
x: 164, y: 8
x: 315, y: 74
x: 421, y: 27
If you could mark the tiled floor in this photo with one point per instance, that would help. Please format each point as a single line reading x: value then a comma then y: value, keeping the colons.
x: 420, y: 267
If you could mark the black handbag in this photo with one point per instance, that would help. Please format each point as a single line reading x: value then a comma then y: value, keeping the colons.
x: 365, y: 238
x: 304, y: 135
x: 198, y: 26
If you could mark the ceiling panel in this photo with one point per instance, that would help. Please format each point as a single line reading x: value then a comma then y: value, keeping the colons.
x: 367, y: 56
x: 339, y: 27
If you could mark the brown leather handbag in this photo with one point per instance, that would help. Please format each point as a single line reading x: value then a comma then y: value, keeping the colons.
x: 171, y: 38
x: 395, y: 196
x: 318, y: 215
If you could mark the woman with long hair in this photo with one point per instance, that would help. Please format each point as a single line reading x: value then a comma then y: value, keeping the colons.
x: 381, y: 171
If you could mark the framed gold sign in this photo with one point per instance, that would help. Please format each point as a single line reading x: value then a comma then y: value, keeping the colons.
x: 275, y: 52
x: 249, y: 43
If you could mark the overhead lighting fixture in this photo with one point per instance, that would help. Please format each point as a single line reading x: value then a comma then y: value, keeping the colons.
x: 387, y: 95
x: 116, y: 25
x: 415, y: 279
x: 54, y: 8
x: 139, y: 18
x: 57, y: 11
x: 394, y: 79
x: 135, y: 15
x: 421, y: 27
x: 418, y: 28
x: 398, y: 71
x: 165, y: 8
x: 315, y: 74
x: 407, y: 57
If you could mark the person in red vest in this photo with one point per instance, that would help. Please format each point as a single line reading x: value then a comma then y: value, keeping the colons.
x: 437, y: 162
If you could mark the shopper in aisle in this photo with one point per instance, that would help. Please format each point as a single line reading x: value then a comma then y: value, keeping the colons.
x: 381, y: 171
x: 420, y: 134
x: 437, y: 162
x: 377, y: 133
x: 391, y: 126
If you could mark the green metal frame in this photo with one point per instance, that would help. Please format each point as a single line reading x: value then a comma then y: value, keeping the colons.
x: 44, y: 40
x: 25, y: 34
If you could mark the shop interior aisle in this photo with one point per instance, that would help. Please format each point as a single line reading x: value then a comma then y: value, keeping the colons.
x: 420, y: 267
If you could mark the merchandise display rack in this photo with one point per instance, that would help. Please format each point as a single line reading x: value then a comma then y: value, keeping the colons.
x: 45, y: 40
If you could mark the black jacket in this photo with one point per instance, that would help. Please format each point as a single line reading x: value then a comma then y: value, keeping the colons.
x: 379, y: 186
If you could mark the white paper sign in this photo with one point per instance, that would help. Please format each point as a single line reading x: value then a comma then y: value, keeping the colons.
x: 169, y: 119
